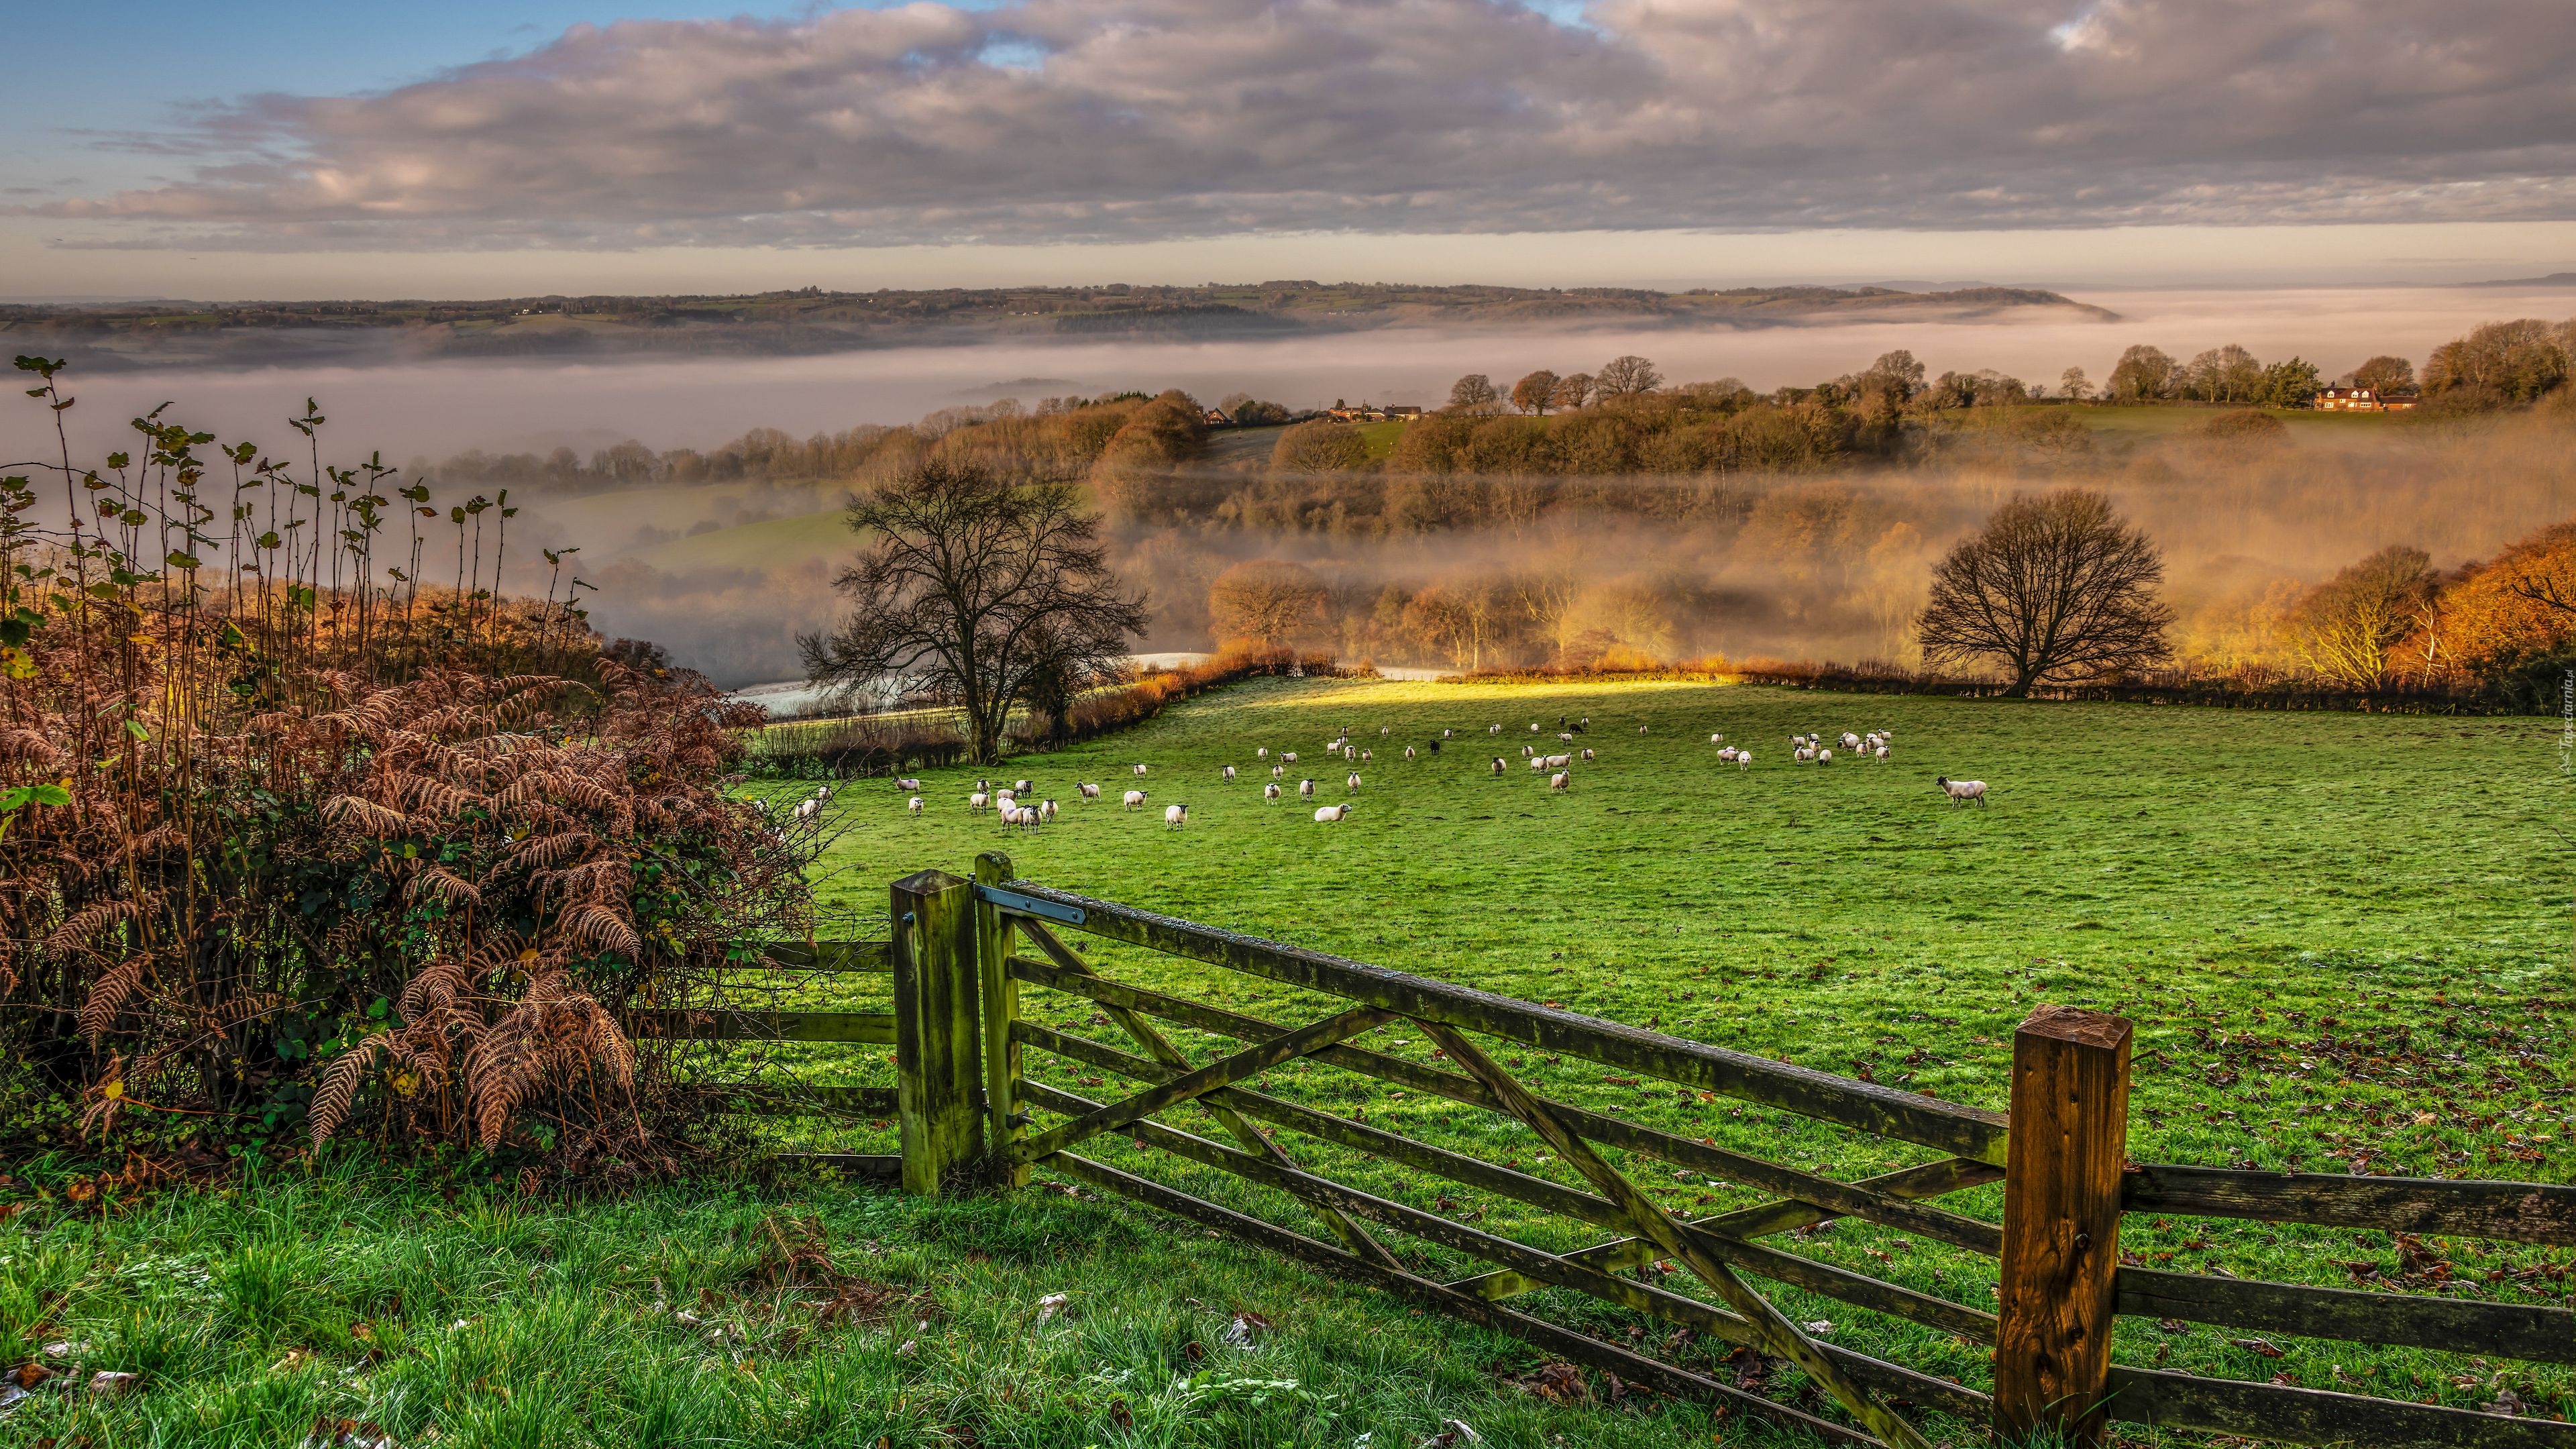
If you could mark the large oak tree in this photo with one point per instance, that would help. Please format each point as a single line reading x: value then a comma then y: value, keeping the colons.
x: 2052, y: 587
x: 978, y: 592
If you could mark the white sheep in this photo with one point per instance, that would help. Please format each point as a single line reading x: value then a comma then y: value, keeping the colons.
x: 1533, y: 726
x: 1559, y: 762
x: 908, y: 783
x: 913, y: 804
x: 1561, y: 781
x: 1728, y: 753
x: 1270, y: 791
x: 1825, y: 756
x: 1175, y: 816
x: 1279, y: 772
x: 1526, y: 750
x: 1355, y: 782
x: 1349, y: 754
x: 1046, y: 809
x: 1135, y: 799
x: 1498, y: 764
x: 1262, y: 753
x: 1021, y: 788
x: 1227, y: 773
x: 1587, y: 755
x: 1367, y: 756
x: 1289, y: 755
x: 1803, y: 754
x: 1564, y: 737
x: 1717, y: 739
x: 1850, y: 741
x: 1306, y: 788
x: 1087, y: 790
x: 976, y: 802
x: 1408, y: 752
x: 1538, y: 762
x: 1744, y: 759
x: 1448, y: 734
x: 1140, y: 769
x: 805, y: 810
x: 1493, y: 729
x: 1881, y: 752
x: 1961, y: 791
x: 1329, y: 814
x: 1641, y: 729
x: 761, y: 806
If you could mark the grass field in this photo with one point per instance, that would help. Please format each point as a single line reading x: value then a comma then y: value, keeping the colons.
x: 2344, y: 939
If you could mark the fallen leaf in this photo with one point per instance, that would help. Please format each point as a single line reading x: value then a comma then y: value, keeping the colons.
x: 1051, y: 1305
x: 1820, y: 1327
x: 111, y: 1381
x: 2263, y: 1346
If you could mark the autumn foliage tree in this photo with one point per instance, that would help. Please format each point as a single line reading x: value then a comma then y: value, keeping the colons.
x: 2053, y: 587
x: 1268, y: 601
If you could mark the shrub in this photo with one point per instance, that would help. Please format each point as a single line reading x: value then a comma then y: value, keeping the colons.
x: 296, y: 852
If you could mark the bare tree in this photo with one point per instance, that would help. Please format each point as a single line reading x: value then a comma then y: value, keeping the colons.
x: 2051, y: 587
x: 2346, y: 627
x: 1627, y: 377
x: 978, y: 592
x: 1574, y: 390
x: 1536, y: 393
x: 1270, y: 601
x: 1473, y: 393
x: 2073, y: 385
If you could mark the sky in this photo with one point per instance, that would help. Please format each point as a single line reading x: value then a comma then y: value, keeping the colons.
x: 475, y: 149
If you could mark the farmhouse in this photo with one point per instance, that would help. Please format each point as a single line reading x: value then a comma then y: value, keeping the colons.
x: 2364, y: 400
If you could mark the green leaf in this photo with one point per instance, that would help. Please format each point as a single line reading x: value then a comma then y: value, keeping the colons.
x: 16, y: 798
x: 135, y: 728
x: 178, y: 560
x: 54, y: 795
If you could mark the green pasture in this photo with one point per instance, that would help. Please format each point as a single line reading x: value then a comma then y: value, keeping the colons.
x: 2344, y: 940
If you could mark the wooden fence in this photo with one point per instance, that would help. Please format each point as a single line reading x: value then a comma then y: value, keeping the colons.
x: 964, y: 952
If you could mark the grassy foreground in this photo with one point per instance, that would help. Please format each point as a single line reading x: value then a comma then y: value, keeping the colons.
x: 2343, y: 938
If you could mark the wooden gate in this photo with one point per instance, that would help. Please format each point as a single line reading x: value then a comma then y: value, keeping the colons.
x: 970, y: 955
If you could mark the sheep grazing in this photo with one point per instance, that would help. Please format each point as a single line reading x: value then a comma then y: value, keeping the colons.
x: 1175, y: 816
x: 1381, y: 730
x: 1880, y: 753
x: 1135, y: 799
x: 1227, y: 773
x: 761, y: 806
x: 1559, y: 762
x: 976, y: 802
x: 1728, y: 753
x: 1498, y: 764
x: 1850, y: 741
x: 1408, y: 752
x: 1587, y: 755
x: 1306, y: 788
x: 1564, y: 738
x: 1825, y: 756
x: 1561, y: 781
x: 1448, y: 734
x: 1355, y: 782
x: 1279, y: 772
x: 1493, y: 729
x: 1961, y: 791
x: 805, y: 810
x: 1270, y: 791
x: 1021, y: 788
x: 1262, y: 753
x: 1046, y: 809
x: 1140, y: 769
x: 1533, y: 726
x: 1803, y: 755
x: 1330, y: 814
x: 1289, y: 755
x: 1641, y: 729
x: 1367, y: 757
x: 1527, y: 751
x: 1087, y: 790
x: 1349, y: 754
x: 1744, y: 759
x: 1717, y: 739
x: 913, y: 804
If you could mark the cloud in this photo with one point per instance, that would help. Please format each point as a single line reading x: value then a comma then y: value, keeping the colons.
x: 1123, y: 120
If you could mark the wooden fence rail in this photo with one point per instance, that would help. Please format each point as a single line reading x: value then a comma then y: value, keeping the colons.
x: 963, y: 952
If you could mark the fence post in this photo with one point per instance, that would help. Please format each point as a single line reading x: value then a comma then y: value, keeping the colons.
x: 937, y: 1034
x: 1001, y: 997
x: 2069, y: 1139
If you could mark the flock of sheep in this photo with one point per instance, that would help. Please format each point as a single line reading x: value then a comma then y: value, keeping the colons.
x: 1014, y: 808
